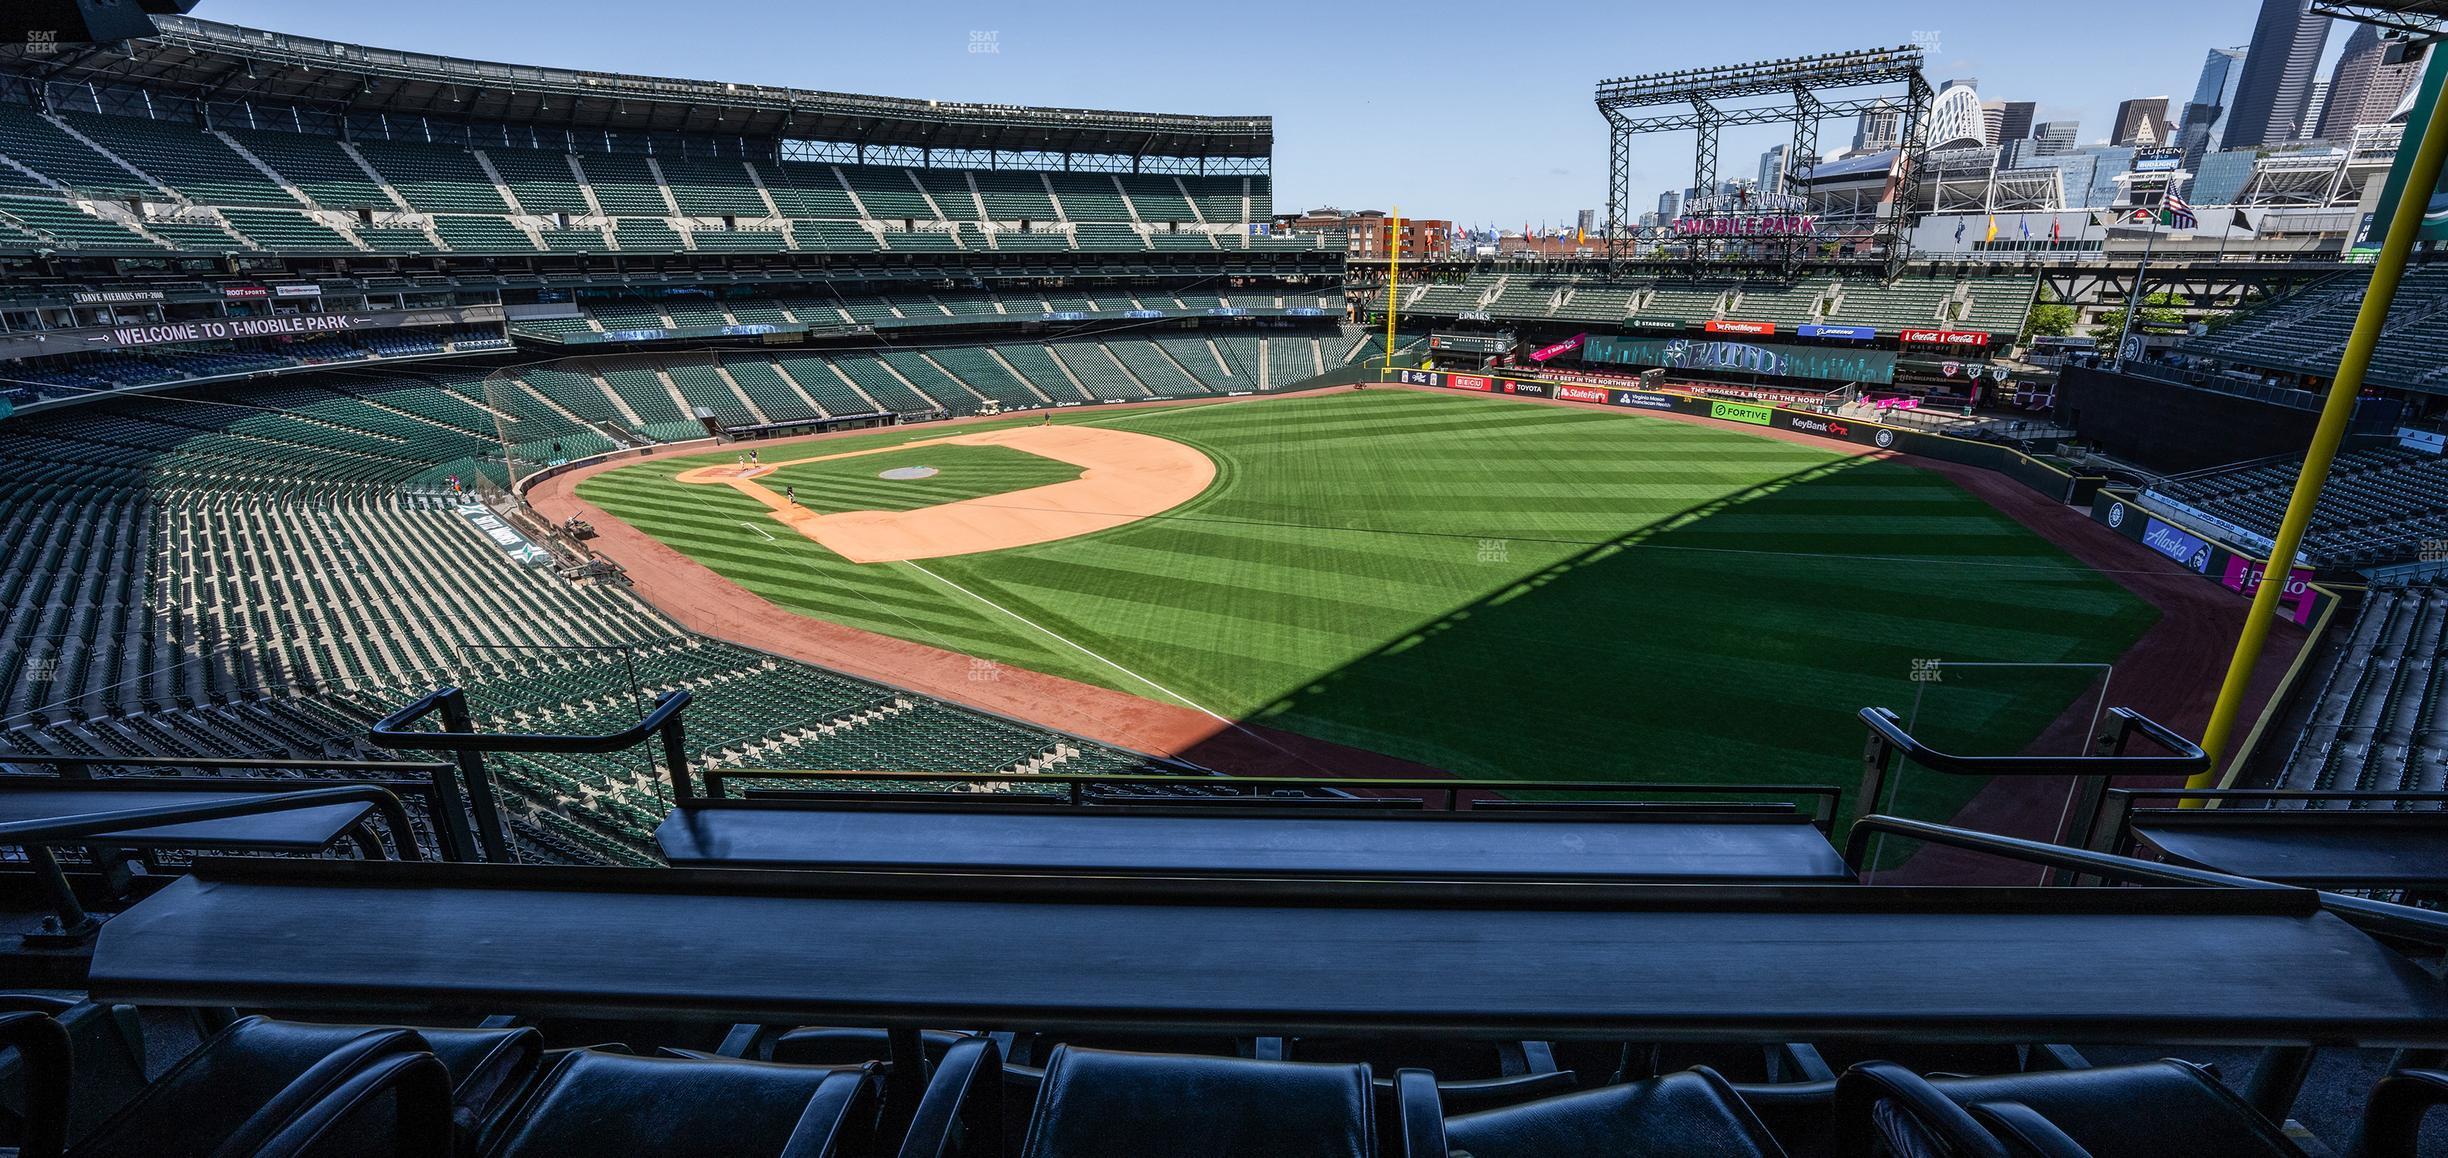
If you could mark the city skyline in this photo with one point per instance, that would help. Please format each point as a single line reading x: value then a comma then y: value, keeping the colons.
x: 1340, y: 141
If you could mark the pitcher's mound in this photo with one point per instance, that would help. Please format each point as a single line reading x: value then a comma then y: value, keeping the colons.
x: 905, y: 473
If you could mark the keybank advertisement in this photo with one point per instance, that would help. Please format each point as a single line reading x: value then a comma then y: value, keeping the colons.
x: 1827, y: 364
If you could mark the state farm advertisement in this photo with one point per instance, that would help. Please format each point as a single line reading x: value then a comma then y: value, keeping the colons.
x: 1732, y: 327
x: 1580, y: 393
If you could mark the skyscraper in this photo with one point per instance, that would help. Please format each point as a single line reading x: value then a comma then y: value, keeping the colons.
x: 2270, y: 97
x: 2206, y: 115
x: 2138, y: 118
x: 2016, y: 124
x: 1772, y: 169
x: 2363, y: 87
x: 1670, y: 205
x: 1879, y: 127
x: 2055, y: 137
x: 2310, y: 125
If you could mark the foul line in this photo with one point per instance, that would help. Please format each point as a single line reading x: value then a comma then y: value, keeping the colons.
x: 1066, y: 642
x: 758, y: 530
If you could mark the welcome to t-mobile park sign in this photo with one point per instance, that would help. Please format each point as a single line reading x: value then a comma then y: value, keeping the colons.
x: 102, y: 339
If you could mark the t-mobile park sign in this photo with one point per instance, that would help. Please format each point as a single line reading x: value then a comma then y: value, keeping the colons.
x: 1748, y: 225
x: 146, y: 335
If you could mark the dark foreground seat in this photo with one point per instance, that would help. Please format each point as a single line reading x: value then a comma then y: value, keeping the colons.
x: 1111, y: 1104
x: 2164, y: 1109
x: 1471, y: 1075
x: 247, y: 1084
x: 107, y: 1052
x: 593, y: 1102
x: 1695, y: 1113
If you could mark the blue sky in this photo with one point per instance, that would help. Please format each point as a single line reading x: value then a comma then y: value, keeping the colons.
x: 1471, y: 111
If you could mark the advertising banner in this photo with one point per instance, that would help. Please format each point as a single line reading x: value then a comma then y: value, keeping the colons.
x: 2177, y: 543
x: 243, y: 292
x: 1571, y: 393
x: 1566, y: 346
x: 2435, y: 200
x: 1819, y: 425
x: 1944, y: 337
x: 2243, y: 576
x: 1644, y: 400
x: 1831, y: 364
x: 1743, y: 412
x: 1728, y: 326
x: 1848, y: 333
x: 1534, y: 389
x: 1479, y: 382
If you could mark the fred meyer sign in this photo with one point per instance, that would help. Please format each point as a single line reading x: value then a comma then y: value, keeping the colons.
x: 1731, y: 327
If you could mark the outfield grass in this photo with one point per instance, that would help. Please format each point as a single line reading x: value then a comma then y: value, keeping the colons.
x: 1499, y: 588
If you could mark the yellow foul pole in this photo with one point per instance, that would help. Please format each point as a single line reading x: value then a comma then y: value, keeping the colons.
x: 1393, y: 290
x: 2403, y: 225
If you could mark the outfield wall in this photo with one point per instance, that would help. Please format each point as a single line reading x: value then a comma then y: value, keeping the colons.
x: 2031, y: 472
x: 2231, y: 567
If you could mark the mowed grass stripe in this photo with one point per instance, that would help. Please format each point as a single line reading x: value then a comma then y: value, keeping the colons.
x: 1508, y: 589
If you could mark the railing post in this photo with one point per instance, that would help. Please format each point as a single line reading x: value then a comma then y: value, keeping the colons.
x: 675, y: 758
x: 76, y: 926
x: 2090, y: 794
x: 479, y: 783
x: 450, y: 815
x: 1876, y: 755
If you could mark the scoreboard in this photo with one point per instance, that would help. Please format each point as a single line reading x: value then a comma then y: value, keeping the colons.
x: 1445, y: 343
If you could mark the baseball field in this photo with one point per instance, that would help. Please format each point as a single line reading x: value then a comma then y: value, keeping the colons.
x: 1495, y: 587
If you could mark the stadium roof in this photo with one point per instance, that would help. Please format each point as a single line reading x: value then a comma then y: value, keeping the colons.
x: 216, y: 61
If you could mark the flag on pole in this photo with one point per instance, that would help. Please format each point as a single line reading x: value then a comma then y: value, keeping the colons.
x: 2023, y: 226
x: 1992, y: 228
x: 2180, y: 214
x: 2052, y: 228
x: 1959, y: 228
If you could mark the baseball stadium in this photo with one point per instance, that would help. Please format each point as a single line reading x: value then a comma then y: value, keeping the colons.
x: 558, y: 610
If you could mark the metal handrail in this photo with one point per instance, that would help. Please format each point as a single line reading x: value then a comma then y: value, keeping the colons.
x: 1888, y: 738
x: 60, y: 829
x: 467, y: 746
x: 2189, y: 757
x: 36, y: 836
x: 2427, y: 926
x: 436, y: 783
x: 2113, y: 827
x: 1823, y: 797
